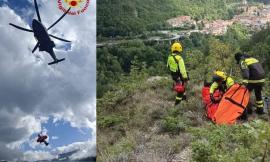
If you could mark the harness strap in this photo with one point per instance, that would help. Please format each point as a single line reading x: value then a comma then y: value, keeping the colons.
x: 236, y: 90
x: 232, y: 101
x: 176, y: 62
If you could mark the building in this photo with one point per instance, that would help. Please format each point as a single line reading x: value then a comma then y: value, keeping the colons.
x: 181, y: 21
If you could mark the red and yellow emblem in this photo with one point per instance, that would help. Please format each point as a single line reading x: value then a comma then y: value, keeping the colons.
x: 77, y: 6
x: 73, y: 3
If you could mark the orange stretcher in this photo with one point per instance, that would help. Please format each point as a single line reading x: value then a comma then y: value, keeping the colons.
x: 232, y: 105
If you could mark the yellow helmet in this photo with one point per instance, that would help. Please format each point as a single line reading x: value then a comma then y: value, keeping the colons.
x: 176, y: 47
x: 221, y: 74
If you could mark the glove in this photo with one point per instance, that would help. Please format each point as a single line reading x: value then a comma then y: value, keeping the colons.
x: 213, y: 98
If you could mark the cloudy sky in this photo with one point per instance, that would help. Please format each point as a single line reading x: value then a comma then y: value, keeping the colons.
x: 57, y: 100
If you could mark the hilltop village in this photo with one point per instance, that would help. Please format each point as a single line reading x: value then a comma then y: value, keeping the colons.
x: 253, y: 17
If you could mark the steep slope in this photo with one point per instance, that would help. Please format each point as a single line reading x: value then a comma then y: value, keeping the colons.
x: 136, y: 117
x: 143, y: 125
x: 139, y: 123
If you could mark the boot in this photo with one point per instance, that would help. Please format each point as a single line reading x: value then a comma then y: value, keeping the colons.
x: 184, y: 97
x: 177, y: 102
x: 259, y: 111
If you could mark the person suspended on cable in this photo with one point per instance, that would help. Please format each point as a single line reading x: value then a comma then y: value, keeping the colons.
x: 220, y: 82
x: 178, y: 71
x: 42, y: 139
x: 253, y: 77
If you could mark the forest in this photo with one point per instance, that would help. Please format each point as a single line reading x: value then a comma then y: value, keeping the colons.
x: 115, y: 63
x: 131, y: 18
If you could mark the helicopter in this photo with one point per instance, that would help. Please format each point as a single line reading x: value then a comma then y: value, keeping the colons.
x: 44, y: 42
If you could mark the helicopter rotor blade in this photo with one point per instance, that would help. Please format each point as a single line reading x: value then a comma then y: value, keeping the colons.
x: 35, y: 48
x: 21, y: 28
x: 59, y: 19
x: 37, y: 11
x: 61, y: 39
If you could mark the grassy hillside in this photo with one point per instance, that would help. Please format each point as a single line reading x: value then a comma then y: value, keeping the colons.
x: 129, y: 18
x: 139, y: 123
x: 136, y: 117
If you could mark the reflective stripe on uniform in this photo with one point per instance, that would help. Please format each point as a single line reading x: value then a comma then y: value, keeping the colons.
x: 250, y: 61
x: 259, y: 104
x: 178, y: 98
x: 254, y: 81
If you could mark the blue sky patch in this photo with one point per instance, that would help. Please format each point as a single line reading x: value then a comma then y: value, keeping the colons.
x: 65, y: 133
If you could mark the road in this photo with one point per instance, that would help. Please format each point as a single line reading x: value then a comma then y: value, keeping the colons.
x: 174, y: 36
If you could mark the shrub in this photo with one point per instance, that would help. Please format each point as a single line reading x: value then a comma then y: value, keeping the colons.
x: 247, y: 142
x: 172, y: 125
x: 109, y: 121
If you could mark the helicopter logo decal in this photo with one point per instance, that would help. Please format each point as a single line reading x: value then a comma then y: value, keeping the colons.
x: 77, y: 6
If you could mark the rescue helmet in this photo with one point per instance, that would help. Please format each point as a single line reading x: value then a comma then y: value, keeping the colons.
x: 176, y: 47
x: 219, y: 76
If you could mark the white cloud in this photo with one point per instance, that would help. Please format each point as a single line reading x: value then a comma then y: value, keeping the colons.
x: 55, y: 137
x: 38, y: 155
x: 81, y: 150
x: 85, y: 149
x: 17, y: 127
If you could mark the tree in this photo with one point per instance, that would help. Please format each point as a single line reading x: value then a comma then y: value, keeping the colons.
x: 221, y: 56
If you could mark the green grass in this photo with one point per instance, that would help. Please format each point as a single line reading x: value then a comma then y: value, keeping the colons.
x: 141, y: 124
